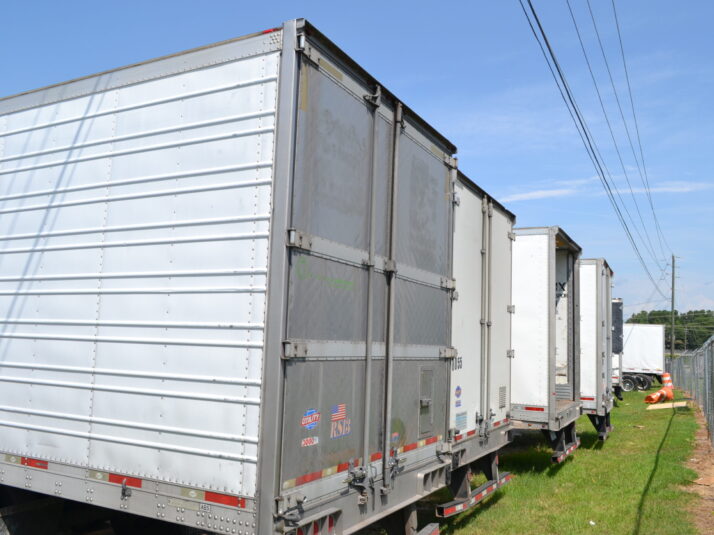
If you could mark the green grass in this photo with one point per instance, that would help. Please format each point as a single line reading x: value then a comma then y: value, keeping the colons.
x: 631, y: 484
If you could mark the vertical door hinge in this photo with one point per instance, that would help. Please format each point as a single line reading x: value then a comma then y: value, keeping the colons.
x: 512, y: 236
x: 299, y: 239
x: 455, y: 199
x: 293, y: 349
x: 390, y: 265
x: 510, y: 353
x: 376, y: 98
x: 451, y: 162
x: 511, y: 309
x: 448, y: 352
x: 448, y: 283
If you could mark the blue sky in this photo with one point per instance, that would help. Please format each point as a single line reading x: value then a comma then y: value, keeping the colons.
x: 473, y: 70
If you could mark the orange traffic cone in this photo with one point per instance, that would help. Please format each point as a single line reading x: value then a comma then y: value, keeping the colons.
x: 664, y: 393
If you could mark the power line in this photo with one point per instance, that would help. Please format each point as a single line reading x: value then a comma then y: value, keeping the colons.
x: 581, y: 127
x: 650, y: 249
x: 624, y: 122
x: 660, y: 234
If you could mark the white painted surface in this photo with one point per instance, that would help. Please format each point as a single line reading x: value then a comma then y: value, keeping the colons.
x: 466, y: 310
x: 643, y: 348
x: 532, y: 294
x: 562, y: 316
x: 500, y: 370
x: 133, y: 263
x: 589, y: 332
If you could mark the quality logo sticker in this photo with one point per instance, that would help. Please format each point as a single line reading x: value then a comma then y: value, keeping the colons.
x: 310, y: 419
x: 309, y: 441
x: 457, y: 393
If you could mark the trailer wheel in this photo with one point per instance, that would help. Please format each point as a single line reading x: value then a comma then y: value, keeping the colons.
x: 643, y: 382
x: 627, y: 383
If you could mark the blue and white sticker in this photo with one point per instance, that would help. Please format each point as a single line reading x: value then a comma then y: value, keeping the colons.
x: 310, y: 419
x: 457, y: 393
x: 461, y: 420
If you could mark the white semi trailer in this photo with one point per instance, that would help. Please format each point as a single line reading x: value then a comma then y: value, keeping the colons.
x: 226, y: 296
x: 545, y: 379
x: 642, y: 355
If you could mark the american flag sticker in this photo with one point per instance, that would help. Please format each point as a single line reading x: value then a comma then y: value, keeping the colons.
x: 339, y: 412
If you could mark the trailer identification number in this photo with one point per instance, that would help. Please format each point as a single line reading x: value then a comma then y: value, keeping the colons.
x: 457, y: 363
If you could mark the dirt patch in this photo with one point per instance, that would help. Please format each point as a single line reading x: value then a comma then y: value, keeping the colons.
x: 702, y: 462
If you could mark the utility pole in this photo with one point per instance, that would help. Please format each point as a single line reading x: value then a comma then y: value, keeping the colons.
x: 671, y: 334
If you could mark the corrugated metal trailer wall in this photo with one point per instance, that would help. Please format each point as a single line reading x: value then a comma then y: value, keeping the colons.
x: 226, y: 291
x: 369, y: 285
x: 135, y: 215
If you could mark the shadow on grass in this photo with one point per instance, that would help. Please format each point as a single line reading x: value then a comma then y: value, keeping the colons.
x: 447, y: 527
x: 589, y: 440
x: 530, y: 452
x: 645, y: 492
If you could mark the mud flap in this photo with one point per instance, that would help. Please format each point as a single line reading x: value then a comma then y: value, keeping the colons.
x: 601, y: 424
x: 564, y: 442
x: 464, y: 497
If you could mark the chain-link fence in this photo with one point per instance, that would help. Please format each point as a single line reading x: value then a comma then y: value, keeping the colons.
x: 693, y: 372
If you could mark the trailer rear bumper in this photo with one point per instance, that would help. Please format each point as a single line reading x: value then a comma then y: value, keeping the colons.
x: 455, y: 507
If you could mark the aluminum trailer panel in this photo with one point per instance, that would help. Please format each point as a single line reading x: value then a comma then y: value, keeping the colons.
x: 136, y: 213
x: 643, y: 349
x: 226, y: 290
x: 596, y: 392
x: 481, y: 329
x: 595, y: 336
x: 617, y: 339
x: 545, y: 389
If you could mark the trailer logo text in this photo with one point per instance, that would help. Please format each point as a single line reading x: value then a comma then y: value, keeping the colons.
x: 340, y: 425
x: 310, y: 419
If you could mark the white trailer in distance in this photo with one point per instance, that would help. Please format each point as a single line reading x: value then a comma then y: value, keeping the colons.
x: 642, y: 355
x: 545, y: 375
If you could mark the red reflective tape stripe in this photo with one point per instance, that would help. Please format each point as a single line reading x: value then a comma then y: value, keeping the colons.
x: 307, y: 478
x: 130, y: 481
x: 410, y: 447
x: 271, y: 30
x: 588, y: 399
x: 376, y: 456
x: 34, y: 463
x: 342, y: 467
x: 225, y: 499
x: 469, y: 434
x: 458, y: 437
x: 539, y: 409
x: 450, y: 511
x: 431, y: 440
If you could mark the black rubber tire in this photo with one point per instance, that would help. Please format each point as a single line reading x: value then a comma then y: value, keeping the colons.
x: 643, y: 382
x: 627, y: 383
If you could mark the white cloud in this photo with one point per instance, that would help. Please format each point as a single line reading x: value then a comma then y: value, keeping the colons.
x: 539, y: 194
